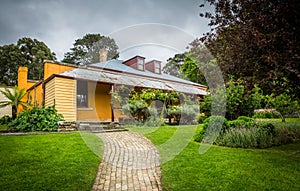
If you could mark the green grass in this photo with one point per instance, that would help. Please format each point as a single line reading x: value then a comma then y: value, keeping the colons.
x: 48, y: 162
x: 222, y: 168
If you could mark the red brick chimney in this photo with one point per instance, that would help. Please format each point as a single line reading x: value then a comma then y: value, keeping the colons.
x: 137, y: 62
x: 154, y: 66
x: 103, y: 55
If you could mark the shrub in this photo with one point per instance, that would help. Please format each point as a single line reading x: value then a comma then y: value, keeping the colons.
x: 37, y: 119
x: 201, y: 117
x: 216, y: 124
x: 5, y: 120
x: 268, y: 127
x: 267, y: 114
x: 245, y: 118
x: 251, y: 137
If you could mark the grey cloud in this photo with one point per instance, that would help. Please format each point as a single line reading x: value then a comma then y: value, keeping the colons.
x: 58, y: 22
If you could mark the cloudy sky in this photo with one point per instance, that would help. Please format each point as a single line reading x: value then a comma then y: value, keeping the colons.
x: 155, y: 29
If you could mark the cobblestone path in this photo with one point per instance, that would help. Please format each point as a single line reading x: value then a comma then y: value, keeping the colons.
x: 130, y: 162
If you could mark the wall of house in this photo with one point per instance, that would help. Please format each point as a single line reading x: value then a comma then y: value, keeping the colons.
x: 89, y: 113
x: 36, y: 95
x: 99, y: 100
x: 51, y: 67
x: 5, y: 110
x: 62, y: 92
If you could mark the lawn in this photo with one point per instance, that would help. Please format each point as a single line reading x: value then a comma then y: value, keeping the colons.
x: 48, y: 162
x: 222, y: 168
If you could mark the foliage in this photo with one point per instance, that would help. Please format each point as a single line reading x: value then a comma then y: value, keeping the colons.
x: 27, y: 52
x: 251, y: 137
x: 257, y: 134
x: 245, y: 118
x: 14, y: 99
x: 173, y: 65
x: 199, y: 65
x: 48, y: 162
x: 257, y: 41
x: 5, y: 120
x: 284, y: 104
x: 85, y: 50
x: 267, y: 114
x: 223, y: 168
x: 37, y: 119
x: 201, y: 117
x: 239, y: 101
x: 212, y: 125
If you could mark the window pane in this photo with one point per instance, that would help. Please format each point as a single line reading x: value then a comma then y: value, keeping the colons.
x: 82, y: 94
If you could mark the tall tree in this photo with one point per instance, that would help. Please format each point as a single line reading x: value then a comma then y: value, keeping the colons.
x: 257, y: 41
x: 10, y: 60
x: 27, y: 52
x: 34, y: 52
x: 173, y: 65
x: 86, y: 50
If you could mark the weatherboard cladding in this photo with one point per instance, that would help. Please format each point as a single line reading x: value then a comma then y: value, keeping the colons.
x: 114, y: 72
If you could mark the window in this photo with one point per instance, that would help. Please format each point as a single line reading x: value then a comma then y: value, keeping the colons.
x: 140, y: 64
x: 157, y: 68
x: 82, y: 94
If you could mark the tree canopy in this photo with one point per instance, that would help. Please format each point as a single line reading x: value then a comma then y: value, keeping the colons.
x: 85, y: 50
x: 256, y: 41
x: 27, y: 52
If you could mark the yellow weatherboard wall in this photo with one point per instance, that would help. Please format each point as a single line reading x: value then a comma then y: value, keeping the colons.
x: 89, y: 113
x: 62, y: 92
x: 36, y: 95
x: 99, y: 108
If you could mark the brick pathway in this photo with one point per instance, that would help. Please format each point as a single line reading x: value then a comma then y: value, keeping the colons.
x: 129, y: 162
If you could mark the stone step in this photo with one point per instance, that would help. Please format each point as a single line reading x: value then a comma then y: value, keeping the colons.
x: 99, y: 126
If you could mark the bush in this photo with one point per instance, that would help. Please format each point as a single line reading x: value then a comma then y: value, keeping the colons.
x: 216, y: 124
x: 267, y: 115
x: 251, y: 137
x: 246, y: 119
x: 5, y: 120
x: 201, y: 117
x: 37, y: 119
x: 268, y: 127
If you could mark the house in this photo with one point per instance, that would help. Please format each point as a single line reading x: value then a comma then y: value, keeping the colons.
x: 82, y: 93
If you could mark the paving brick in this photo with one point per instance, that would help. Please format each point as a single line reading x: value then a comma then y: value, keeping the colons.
x: 130, y: 162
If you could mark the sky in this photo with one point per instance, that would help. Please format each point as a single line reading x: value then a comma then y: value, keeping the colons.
x: 155, y: 29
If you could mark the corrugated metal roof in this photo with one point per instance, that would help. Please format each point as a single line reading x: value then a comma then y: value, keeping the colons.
x: 118, y: 65
x: 131, y: 80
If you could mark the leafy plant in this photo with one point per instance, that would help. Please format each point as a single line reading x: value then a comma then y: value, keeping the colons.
x: 14, y: 99
x: 215, y: 124
x: 37, y: 119
x: 5, y: 120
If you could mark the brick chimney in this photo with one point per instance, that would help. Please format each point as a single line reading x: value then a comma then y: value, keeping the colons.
x: 103, y: 55
x: 22, y: 77
x: 137, y: 62
x: 154, y: 66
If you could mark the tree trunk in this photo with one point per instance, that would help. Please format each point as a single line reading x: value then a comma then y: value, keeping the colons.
x: 14, y: 112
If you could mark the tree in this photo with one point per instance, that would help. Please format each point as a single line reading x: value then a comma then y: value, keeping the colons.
x: 86, y: 50
x: 173, y: 65
x: 198, y: 64
x: 10, y: 60
x: 34, y: 52
x: 257, y: 41
x: 14, y: 99
x: 285, y: 105
x: 27, y: 52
